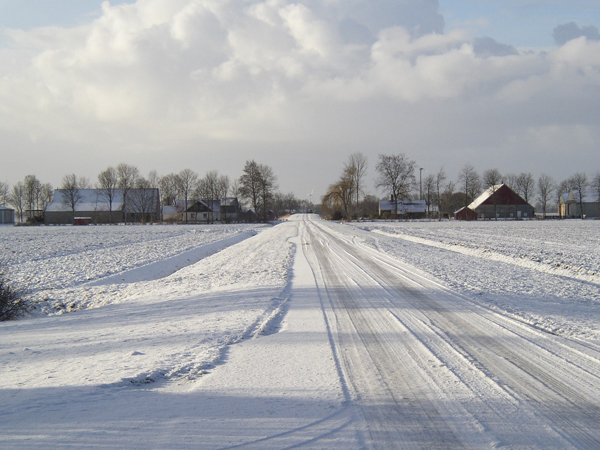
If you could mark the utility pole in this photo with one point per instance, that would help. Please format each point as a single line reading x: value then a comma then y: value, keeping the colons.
x: 420, y: 184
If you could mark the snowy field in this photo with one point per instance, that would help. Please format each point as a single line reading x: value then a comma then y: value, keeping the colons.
x: 59, y: 266
x: 215, y: 337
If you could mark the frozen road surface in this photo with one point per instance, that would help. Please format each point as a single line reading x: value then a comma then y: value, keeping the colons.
x: 306, y: 335
x: 426, y: 368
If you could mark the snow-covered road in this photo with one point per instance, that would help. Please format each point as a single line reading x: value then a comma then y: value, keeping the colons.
x: 429, y: 369
x: 303, y: 336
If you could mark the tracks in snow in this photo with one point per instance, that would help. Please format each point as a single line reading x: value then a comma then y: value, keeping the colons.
x: 430, y: 369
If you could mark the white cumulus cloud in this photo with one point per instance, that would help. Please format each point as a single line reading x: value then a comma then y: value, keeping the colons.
x: 253, y: 76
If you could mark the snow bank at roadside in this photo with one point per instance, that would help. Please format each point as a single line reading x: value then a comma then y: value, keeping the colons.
x: 58, y: 266
x: 177, y: 327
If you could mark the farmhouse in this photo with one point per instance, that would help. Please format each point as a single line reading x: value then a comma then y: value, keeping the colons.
x: 95, y: 206
x: 409, y: 209
x: 497, y: 202
x: 570, y: 205
x: 7, y: 216
x: 203, y: 211
x: 200, y: 212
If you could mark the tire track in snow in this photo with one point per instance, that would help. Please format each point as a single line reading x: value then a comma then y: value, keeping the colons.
x: 563, y: 392
x: 396, y: 413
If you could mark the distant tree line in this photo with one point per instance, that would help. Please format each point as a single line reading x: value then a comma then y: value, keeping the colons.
x: 255, y: 189
x: 396, y: 178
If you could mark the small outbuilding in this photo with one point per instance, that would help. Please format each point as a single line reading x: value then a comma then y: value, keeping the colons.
x: 465, y: 213
x: 406, y: 209
x: 7, y: 216
x: 586, y: 205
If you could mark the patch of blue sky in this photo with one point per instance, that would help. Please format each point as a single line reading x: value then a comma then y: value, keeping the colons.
x: 520, y: 23
x: 29, y: 14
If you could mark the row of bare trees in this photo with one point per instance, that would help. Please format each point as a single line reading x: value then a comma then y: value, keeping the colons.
x: 396, y: 178
x: 256, y: 187
x: 28, y: 197
x: 545, y: 190
x: 343, y: 196
x: 580, y: 184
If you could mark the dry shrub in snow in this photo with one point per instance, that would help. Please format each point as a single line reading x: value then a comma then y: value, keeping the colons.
x: 12, y: 305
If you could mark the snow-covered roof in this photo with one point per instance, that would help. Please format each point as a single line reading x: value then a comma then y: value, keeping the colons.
x: 90, y: 200
x: 230, y: 201
x: 404, y: 206
x: 483, y: 197
x: 589, y: 196
x: 215, y: 205
x: 463, y: 209
x: 6, y: 208
x: 210, y: 204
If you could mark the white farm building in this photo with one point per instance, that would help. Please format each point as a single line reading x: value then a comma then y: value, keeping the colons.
x: 96, y: 206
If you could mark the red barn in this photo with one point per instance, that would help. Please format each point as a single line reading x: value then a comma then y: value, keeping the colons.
x: 500, y: 202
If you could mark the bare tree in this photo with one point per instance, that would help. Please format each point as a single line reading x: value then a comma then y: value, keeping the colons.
x: 290, y: 203
x: 186, y: 180
x: 429, y: 191
x: 4, y: 193
x: 451, y: 200
x: 153, y: 180
x: 144, y: 200
x: 211, y: 181
x: 492, y: 180
x: 370, y: 206
x: 71, y: 195
x: 338, y: 198
x: 512, y: 181
x: 128, y: 176
x: 440, y: 177
x: 234, y: 188
x: 108, y: 183
x: 33, y: 188
x: 579, y: 183
x: 84, y: 183
x: 210, y: 189
x: 257, y: 185
x: 546, y: 187
x: 525, y: 185
x: 356, y: 169
x: 268, y: 186
x: 47, y: 194
x: 168, y: 185
x: 17, y: 199
x: 470, y: 183
x: 250, y: 184
x: 285, y: 203
x: 396, y: 177
x: 492, y: 177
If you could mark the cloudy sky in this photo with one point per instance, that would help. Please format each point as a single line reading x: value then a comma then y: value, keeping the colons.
x: 209, y: 84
